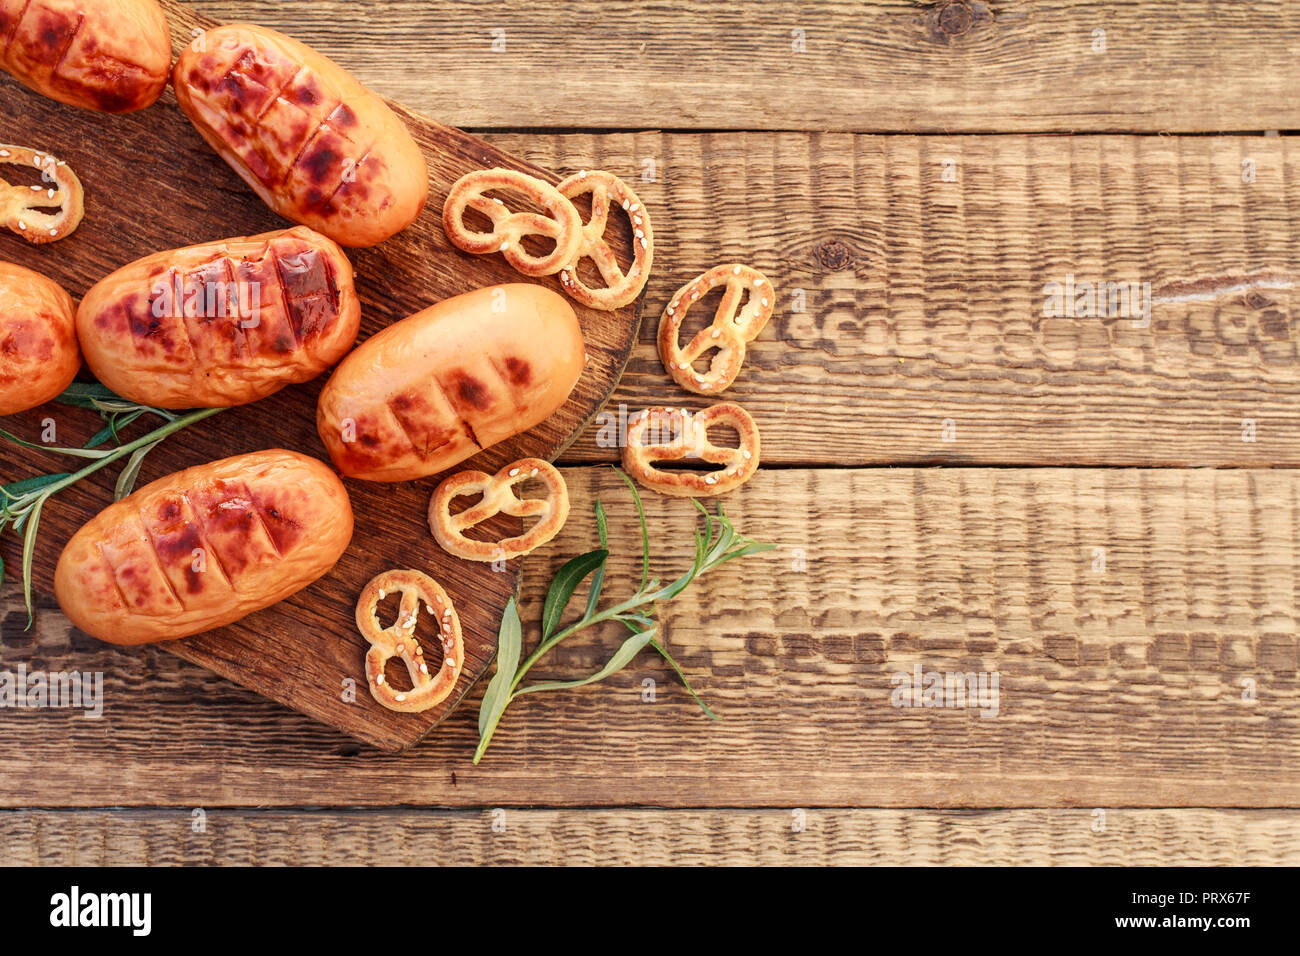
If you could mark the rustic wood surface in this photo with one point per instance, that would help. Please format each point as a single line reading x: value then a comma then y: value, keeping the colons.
x: 1161, y: 671
x: 1142, y: 615
x: 787, y: 837
x: 153, y: 184
x: 894, y: 66
x: 910, y: 327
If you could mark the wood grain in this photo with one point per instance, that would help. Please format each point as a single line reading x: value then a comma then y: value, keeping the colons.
x: 1160, y: 672
x: 922, y: 337
x: 631, y: 837
x: 152, y: 184
x: 894, y: 66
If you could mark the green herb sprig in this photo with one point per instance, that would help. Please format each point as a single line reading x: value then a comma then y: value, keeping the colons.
x: 716, y: 544
x: 21, y: 502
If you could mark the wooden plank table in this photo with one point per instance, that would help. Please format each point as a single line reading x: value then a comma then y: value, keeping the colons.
x: 1103, y: 509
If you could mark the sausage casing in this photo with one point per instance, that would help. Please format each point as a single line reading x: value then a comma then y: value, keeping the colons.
x: 39, y: 357
x: 316, y: 145
x: 438, y: 387
x: 204, y: 547
x: 108, y: 55
x: 223, y: 323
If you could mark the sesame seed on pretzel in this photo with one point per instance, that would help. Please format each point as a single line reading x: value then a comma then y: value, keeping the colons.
x: 674, y: 434
x: 620, y: 289
x: 499, y: 497
x: 399, y: 640
x: 23, y: 209
x: 732, y: 327
x: 563, y: 224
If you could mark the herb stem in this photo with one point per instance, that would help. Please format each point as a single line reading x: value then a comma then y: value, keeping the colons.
x: 121, y: 452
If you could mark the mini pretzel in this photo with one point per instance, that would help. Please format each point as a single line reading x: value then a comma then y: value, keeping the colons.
x: 399, y: 640
x: 732, y: 327
x: 677, y: 436
x: 21, y: 207
x: 564, y: 225
x: 619, y: 289
x: 499, y: 496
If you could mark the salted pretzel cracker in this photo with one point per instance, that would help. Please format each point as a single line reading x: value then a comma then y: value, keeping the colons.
x: 23, y: 208
x: 399, y: 640
x: 620, y: 289
x: 733, y: 327
x: 675, y: 434
x: 499, y: 497
x: 563, y: 225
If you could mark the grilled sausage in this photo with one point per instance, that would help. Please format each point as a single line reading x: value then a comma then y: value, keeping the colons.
x: 204, y: 547
x: 106, y: 55
x: 220, y: 324
x: 316, y: 145
x: 39, y: 357
x: 433, y: 389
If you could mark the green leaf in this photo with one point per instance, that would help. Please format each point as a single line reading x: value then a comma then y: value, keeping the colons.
x: 630, y: 649
x: 645, y: 535
x: 510, y: 641
x: 126, y: 481
x: 86, y: 394
x: 566, y: 581
x: 27, y: 486
x: 681, y: 675
x: 74, y: 452
x: 29, y: 551
x: 598, y: 580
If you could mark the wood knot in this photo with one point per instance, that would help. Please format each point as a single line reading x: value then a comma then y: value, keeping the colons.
x: 954, y: 18
x: 834, y: 256
x: 1258, y: 301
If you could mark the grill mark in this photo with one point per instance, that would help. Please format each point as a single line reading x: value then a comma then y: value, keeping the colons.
x: 321, y: 125
x: 506, y: 381
x: 469, y: 430
x: 284, y: 301
x: 240, y: 340
x: 209, y: 548
x: 256, y: 509
x: 257, y: 120
x: 391, y: 405
x: 112, y: 576
x: 153, y: 546
x: 204, y: 543
x: 343, y: 182
x: 464, y: 422
x: 81, y: 22
x: 18, y: 22
x: 333, y: 285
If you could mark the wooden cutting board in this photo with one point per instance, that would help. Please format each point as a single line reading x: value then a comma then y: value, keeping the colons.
x: 153, y: 184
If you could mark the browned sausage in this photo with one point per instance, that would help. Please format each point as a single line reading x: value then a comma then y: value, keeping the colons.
x: 204, y: 547
x: 38, y: 339
x: 224, y: 323
x: 316, y: 145
x: 433, y: 389
x: 106, y: 55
